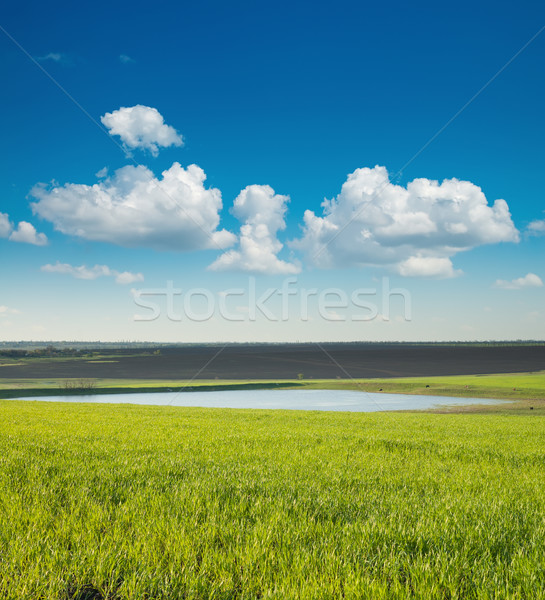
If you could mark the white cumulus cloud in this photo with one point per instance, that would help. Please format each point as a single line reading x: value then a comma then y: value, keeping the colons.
x: 141, y: 127
x: 414, y: 230
x: 531, y: 280
x: 262, y: 213
x: 83, y: 272
x: 27, y: 234
x: 133, y: 208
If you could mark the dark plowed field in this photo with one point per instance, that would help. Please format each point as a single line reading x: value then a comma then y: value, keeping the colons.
x: 286, y: 362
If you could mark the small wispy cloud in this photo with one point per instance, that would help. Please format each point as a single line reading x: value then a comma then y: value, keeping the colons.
x: 57, y: 57
x: 531, y: 280
x: 127, y: 277
x: 6, y: 310
x: 126, y: 59
x: 90, y: 273
x: 6, y: 226
x: 536, y: 227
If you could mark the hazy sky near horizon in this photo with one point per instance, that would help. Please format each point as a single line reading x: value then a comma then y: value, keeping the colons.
x: 253, y: 171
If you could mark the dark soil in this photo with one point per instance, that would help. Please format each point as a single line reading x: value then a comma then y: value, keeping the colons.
x: 324, y: 361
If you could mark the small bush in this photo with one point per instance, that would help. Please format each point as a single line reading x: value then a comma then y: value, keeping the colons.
x: 79, y: 384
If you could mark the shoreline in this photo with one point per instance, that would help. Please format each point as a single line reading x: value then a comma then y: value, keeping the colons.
x: 524, y: 390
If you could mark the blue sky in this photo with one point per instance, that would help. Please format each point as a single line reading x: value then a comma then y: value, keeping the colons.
x: 281, y: 107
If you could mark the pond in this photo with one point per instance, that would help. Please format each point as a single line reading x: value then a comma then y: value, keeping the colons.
x: 329, y: 400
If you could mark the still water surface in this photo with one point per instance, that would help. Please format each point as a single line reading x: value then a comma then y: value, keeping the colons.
x: 336, y: 400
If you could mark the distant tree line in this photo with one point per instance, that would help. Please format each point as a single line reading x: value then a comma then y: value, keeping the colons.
x: 48, y: 351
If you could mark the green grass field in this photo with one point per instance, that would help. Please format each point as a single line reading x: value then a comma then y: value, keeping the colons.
x: 120, y: 501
